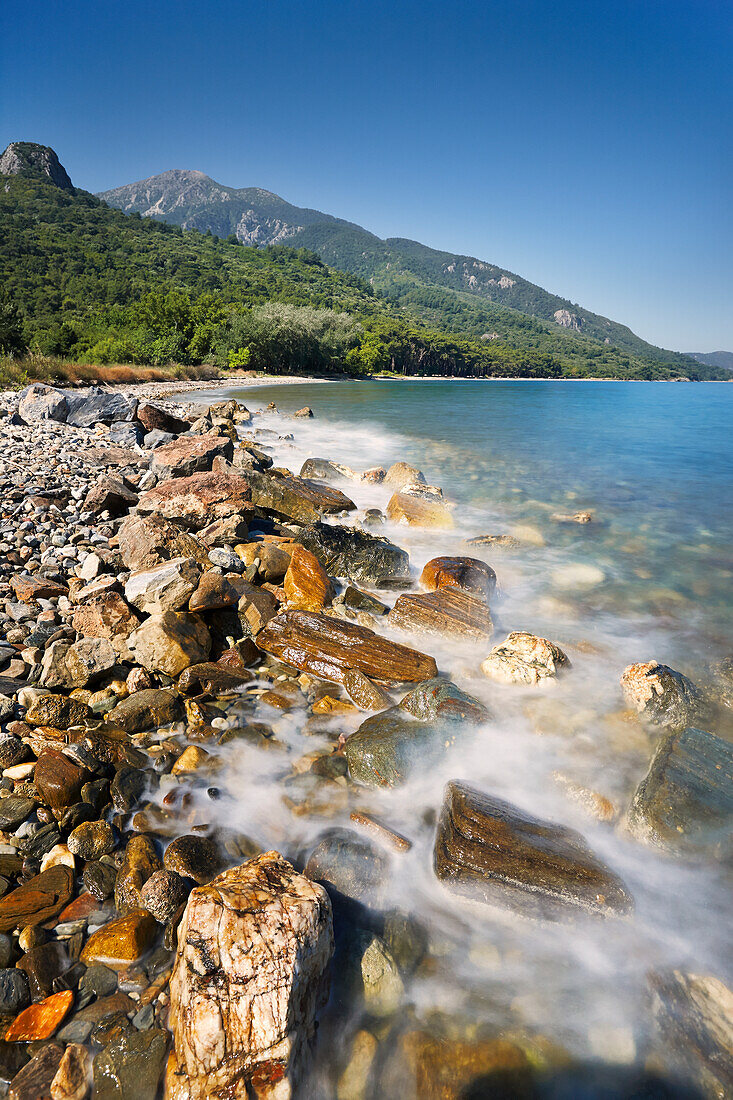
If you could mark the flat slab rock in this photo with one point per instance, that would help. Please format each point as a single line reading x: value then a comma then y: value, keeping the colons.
x: 489, y: 850
x: 296, y: 498
x: 685, y: 801
x: 445, y: 612
x: 251, y: 971
x: 329, y: 647
x: 198, y: 500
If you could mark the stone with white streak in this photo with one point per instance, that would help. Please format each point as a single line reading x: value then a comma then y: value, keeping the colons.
x: 250, y: 974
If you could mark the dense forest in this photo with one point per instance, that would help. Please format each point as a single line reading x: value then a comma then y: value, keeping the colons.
x: 82, y: 281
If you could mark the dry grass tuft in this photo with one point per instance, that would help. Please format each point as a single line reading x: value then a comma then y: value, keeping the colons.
x: 16, y: 373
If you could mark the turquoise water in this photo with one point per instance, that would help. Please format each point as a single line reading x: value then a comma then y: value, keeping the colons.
x: 648, y: 578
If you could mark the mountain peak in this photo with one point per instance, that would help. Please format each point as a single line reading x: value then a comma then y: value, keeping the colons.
x: 27, y: 158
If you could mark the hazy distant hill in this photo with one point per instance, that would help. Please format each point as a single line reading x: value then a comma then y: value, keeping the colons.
x: 459, y: 293
x: 722, y: 359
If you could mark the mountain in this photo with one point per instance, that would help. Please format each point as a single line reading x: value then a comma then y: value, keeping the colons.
x: 462, y: 294
x: 83, y: 281
x: 722, y: 359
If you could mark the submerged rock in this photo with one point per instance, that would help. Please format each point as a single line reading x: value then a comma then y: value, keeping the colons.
x: 328, y: 648
x: 250, y: 974
x: 131, y: 1065
x: 661, y: 695
x: 348, y: 865
x: 489, y: 850
x: 694, y: 1014
x: 389, y: 745
x: 418, y: 512
x: 524, y: 658
x: 685, y: 801
x: 434, y: 1067
x: 348, y: 552
x: 448, y: 612
x: 442, y: 699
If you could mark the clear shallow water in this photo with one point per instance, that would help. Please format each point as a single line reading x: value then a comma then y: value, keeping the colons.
x: 650, y: 578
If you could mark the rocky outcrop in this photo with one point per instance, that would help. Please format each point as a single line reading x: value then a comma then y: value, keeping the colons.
x: 198, y: 500
x: 295, y: 498
x: 26, y: 158
x: 491, y: 851
x: 566, y: 319
x: 328, y: 647
x: 685, y: 801
x: 249, y: 977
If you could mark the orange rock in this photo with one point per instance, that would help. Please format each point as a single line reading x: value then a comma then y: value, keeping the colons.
x: 38, y: 900
x: 418, y: 512
x: 307, y: 587
x: 40, y: 1021
x: 469, y: 574
x: 121, y: 942
x: 79, y: 908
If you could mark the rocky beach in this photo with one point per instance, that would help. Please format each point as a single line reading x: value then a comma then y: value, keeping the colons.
x: 246, y: 846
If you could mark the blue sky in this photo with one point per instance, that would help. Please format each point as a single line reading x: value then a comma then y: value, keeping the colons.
x: 586, y: 146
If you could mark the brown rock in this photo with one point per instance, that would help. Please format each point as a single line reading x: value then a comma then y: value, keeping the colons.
x: 170, y: 641
x: 38, y: 900
x: 250, y: 973
x: 213, y: 593
x: 328, y: 648
x: 491, y: 851
x: 146, y: 541
x: 57, y: 711
x: 29, y: 588
x: 58, y: 779
x: 106, y: 616
x: 153, y: 418
x: 192, y: 856
x: 364, y: 693
x: 140, y: 862
x: 121, y: 942
x: 425, y: 1067
x: 296, y: 498
x: 256, y: 607
x: 33, y: 1081
x: 110, y: 493
x: 402, y: 473
x: 146, y: 709
x: 469, y: 574
x: 41, y: 1020
x: 189, y: 455
x: 306, y: 584
x: 273, y: 559
x: 448, y: 611
x: 417, y: 512
x: 210, y: 678
x: 198, y: 500
x: 74, y: 1075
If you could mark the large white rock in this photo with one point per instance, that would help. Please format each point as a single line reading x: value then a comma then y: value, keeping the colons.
x: 524, y: 658
x: 166, y: 587
x: 250, y: 973
x: 170, y: 641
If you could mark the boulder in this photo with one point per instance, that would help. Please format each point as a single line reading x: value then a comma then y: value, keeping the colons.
x: 189, y: 455
x: 28, y: 589
x: 524, y: 658
x: 107, y: 616
x: 146, y: 541
x: 194, y: 857
x: 468, y: 574
x: 491, y: 851
x: 348, y: 552
x: 141, y: 860
x: 153, y: 418
x: 98, y: 406
x: 321, y: 469
x: 165, y: 587
x: 251, y: 971
x: 295, y: 498
x: 214, y: 592
x: 147, y: 710
x: 661, y: 695
x: 306, y: 584
x: 390, y: 745
x: 402, y: 473
x: 418, y: 512
x: 88, y: 659
x: 39, y: 402
x: 446, y: 612
x: 110, y: 494
x: 57, y: 711
x: 685, y: 801
x: 442, y: 699
x: 198, y: 500
x: 256, y: 607
x: 170, y: 641
x: 328, y: 648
